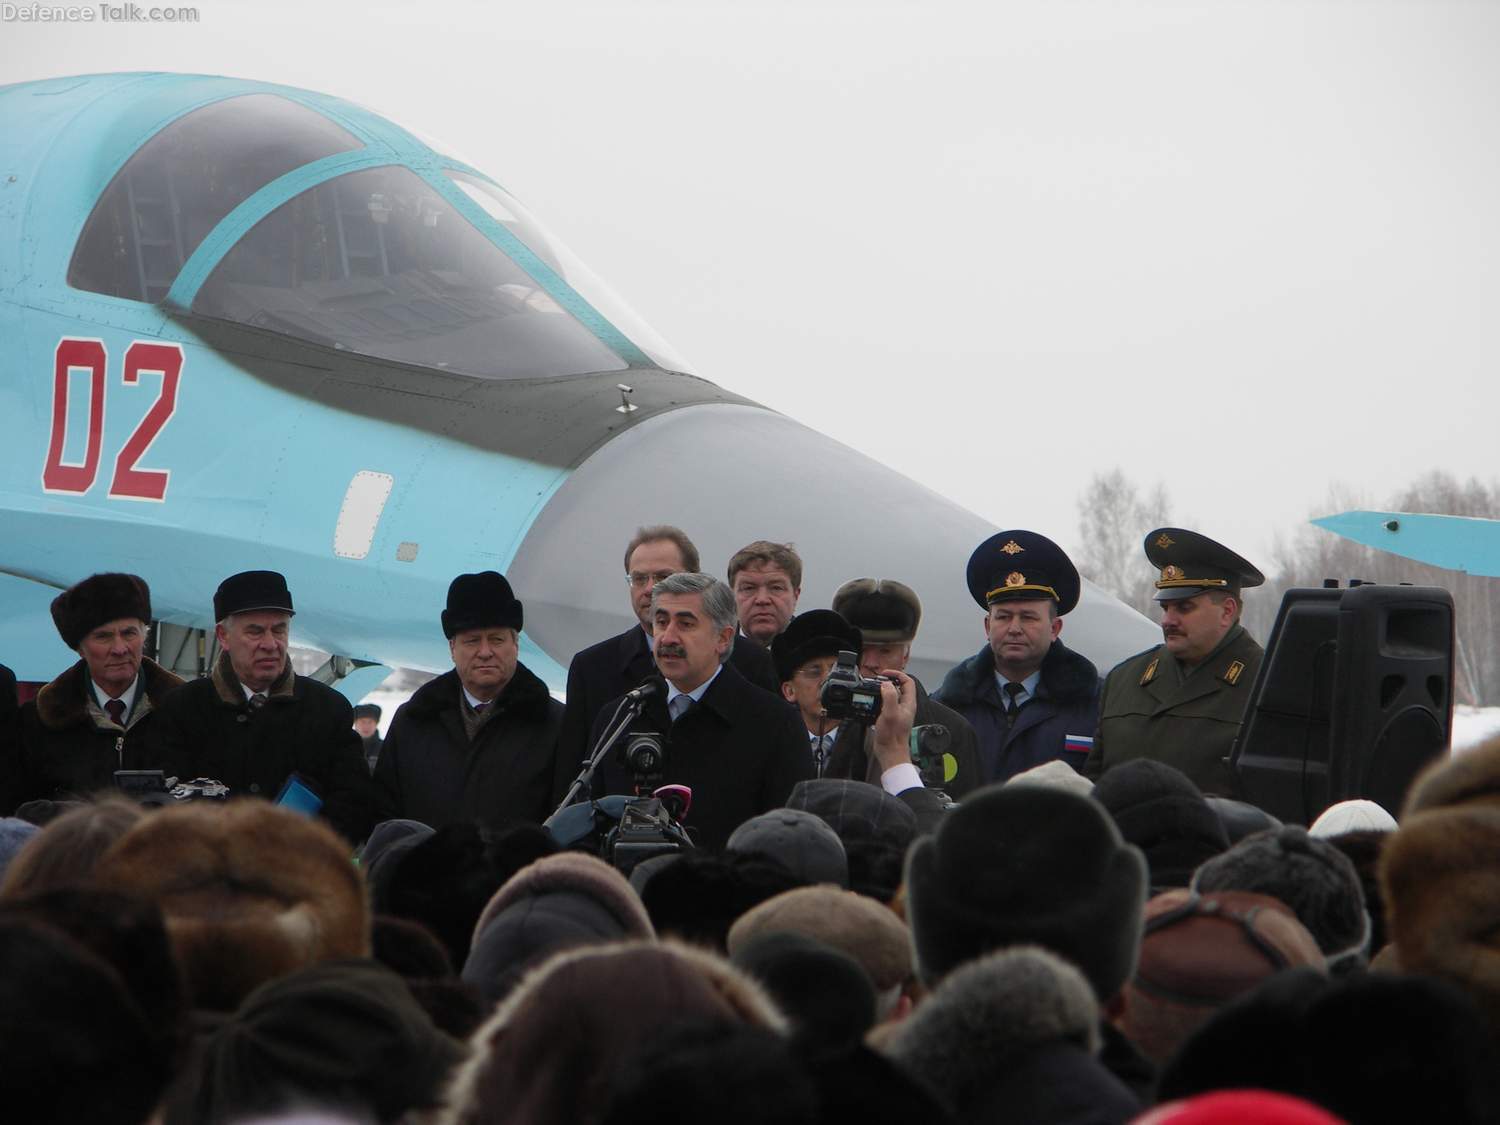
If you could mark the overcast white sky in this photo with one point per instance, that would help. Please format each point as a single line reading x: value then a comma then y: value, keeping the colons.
x: 1247, y: 249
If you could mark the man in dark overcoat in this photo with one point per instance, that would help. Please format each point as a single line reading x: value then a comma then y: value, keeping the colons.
x: 612, y: 667
x: 737, y: 747
x: 253, y: 722
x: 1029, y: 698
x: 99, y: 715
x: 477, y: 743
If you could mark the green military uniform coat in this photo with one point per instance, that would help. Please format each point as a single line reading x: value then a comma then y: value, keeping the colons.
x: 1151, y: 710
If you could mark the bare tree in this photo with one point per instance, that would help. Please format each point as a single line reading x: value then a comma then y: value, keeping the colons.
x: 1113, y: 519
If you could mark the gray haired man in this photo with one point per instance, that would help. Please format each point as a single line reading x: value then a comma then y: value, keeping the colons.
x: 739, y: 748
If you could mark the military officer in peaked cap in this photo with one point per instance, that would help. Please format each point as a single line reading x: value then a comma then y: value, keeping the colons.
x: 1029, y: 698
x: 1182, y: 701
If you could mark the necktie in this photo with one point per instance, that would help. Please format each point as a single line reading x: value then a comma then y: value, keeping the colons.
x: 479, y: 708
x: 1012, y: 691
x: 257, y: 701
x: 679, y: 706
x: 116, y: 709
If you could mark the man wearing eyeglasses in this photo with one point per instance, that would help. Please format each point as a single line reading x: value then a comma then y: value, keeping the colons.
x: 612, y: 667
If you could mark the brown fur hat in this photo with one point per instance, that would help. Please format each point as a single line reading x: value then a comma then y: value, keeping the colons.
x: 1440, y: 874
x: 97, y: 599
x: 1472, y: 778
x: 1201, y: 951
x: 249, y: 891
x: 552, y: 1047
x: 851, y: 923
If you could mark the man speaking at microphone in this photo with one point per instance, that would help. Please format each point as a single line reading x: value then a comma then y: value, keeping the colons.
x: 739, y: 748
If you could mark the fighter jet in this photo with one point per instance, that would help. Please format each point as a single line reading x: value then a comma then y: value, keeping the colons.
x: 250, y: 326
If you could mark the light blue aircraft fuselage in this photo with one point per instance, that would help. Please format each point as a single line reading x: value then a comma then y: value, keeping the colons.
x: 250, y: 326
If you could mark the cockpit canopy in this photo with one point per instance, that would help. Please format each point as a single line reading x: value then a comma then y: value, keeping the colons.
x: 425, y: 262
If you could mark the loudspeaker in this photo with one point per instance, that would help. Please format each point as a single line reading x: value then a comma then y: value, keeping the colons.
x: 1353, y: 698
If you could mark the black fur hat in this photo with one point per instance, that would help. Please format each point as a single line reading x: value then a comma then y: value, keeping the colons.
x: 818, y: 632
x: 1159, y: 810
x: 1308, y: 874
x: 97, y: 599
x: 1026, y: 864
x: 252, y: 590
x: 480, y: 601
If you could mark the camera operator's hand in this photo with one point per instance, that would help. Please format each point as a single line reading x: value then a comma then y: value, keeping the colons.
x: 898, y: 710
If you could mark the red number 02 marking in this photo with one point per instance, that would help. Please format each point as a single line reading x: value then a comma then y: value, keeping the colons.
x: 128, y: 482
x: 147, y: 484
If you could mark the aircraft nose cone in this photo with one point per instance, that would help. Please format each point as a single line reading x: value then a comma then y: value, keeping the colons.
x: 728, y: 475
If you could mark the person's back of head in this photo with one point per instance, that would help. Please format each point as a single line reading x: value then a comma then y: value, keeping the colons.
x: 558, y: 902
x: 1159, y: 810
x: 343, y: 1034
x: 1311, y: 876
x: 442, y: 881
x: 827, y: 995
x: 798, y: 840
x: 1013, y: 1036
x: 551, y: 1049
x: 129, y: 935
x: 1027, y: 865
x: 75, y: 1044
x: 68, y: 849
x: 249, y: 891
x: 864, y: 929
x: 1440, y: 877
x: 728, y: 1074
x: 1368, y: 1047
x: 700, y: 896
x: 1198, y: 953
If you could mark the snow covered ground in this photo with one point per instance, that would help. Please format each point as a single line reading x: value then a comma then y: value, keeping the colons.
x: 1472, y: 725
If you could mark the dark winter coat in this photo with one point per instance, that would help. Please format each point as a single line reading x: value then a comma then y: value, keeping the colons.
x: 1150, y: 710
x: 1066, y: 704
x: 430, y: 771
x: 208, y: 729
x: 740, y: 750
x: 70, y: 747
x: 603, y: 672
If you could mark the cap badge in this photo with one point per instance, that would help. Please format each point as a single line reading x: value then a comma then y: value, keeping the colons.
x: 1171, y: 573
x: 1164, y: 540
x: 1015, y: 578
x: 1013, y: 548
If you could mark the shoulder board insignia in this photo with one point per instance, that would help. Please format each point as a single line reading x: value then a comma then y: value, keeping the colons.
x: 1150, y: 673
x: 1233, y: 672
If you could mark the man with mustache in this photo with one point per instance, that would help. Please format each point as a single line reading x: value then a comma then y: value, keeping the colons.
x: 1182, y: 702
x: 607, y: 670
x: 737, y: 747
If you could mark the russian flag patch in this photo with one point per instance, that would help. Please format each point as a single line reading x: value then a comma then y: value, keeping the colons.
x: 1078, y: 743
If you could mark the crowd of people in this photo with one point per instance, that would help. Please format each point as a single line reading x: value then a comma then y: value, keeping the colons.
x: 709, y: 887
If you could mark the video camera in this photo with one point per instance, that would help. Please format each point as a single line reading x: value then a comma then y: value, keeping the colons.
x: 624, y: 830
x: 846, y: 694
